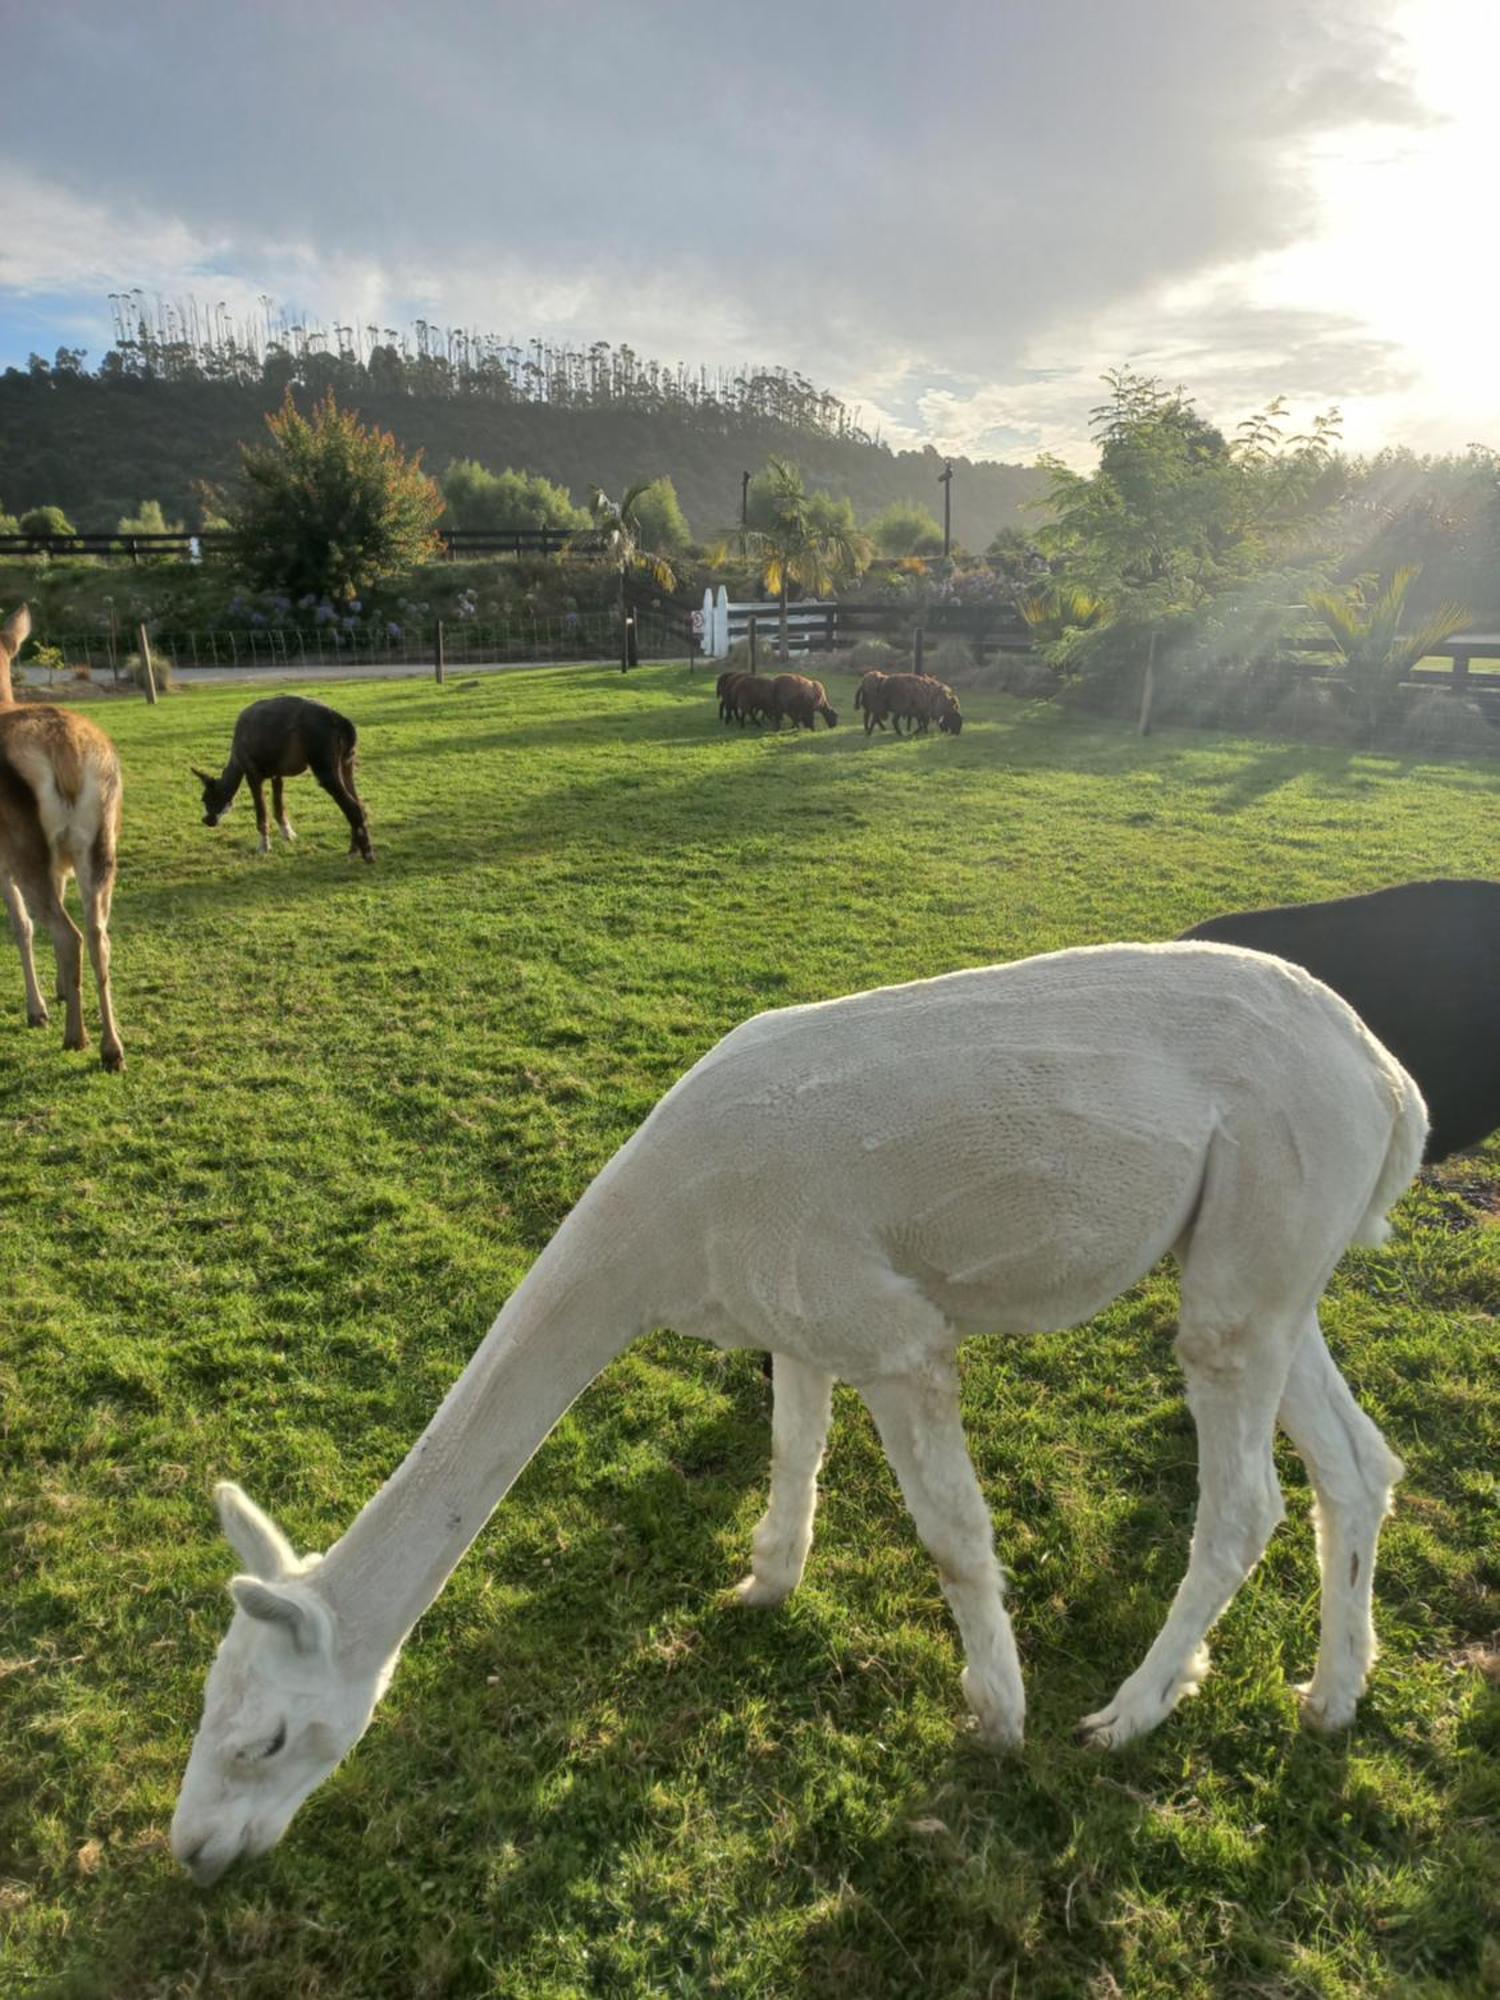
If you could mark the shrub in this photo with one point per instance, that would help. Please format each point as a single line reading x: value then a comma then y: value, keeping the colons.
x: 1446, y: 725
x: 329, y: 506
x: 476, y: 498
x: 1312, y: 712
x: 906, y: 530
x: 41, y: 521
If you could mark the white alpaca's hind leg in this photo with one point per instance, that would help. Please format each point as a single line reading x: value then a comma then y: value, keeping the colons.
x: 803, y: 1402
x: 919, y: 1424
x: 1235, y: 1375
x: 1352, y: 1471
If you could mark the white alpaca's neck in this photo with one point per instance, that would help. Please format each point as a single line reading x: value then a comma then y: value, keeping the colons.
x: 572, y: 1315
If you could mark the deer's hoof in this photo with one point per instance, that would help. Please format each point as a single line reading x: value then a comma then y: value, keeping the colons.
x: 112, y: 1059
x: 38, y: 1020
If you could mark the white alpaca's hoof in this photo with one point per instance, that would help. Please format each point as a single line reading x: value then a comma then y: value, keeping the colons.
x: 761, y: 1593
x: 998, y: 1720
x: 288, y: 833
x: 1136, y: 1709
x: 1325, y: 1713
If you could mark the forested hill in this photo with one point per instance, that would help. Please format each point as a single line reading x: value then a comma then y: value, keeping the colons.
x: 97, y: 447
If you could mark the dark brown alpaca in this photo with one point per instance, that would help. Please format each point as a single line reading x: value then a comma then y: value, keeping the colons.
x: 281, y: 738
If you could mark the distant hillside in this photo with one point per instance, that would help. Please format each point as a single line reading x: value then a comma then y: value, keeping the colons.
x: 97, y: 447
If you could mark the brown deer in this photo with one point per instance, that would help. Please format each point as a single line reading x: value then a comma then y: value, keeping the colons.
x: 60, y: 795
x: 281, y: 738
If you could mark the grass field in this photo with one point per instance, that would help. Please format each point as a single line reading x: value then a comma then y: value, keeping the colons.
x: 359, y: 1101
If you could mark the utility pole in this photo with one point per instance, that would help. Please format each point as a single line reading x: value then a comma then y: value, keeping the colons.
x: 945, y: 480
x: 744, y: 499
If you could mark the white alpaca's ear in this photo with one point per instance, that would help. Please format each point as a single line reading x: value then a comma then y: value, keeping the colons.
x: 276, y: 1604
x: 253, y: 1535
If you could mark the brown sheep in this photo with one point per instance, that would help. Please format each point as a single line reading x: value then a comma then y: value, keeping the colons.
x: 754, y: 697
x: 919, y: 700
x: 725, y: 690
x: 804, y: 700
x: 868, y: 696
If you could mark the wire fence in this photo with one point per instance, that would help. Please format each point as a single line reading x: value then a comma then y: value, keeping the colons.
x: 582, y: 635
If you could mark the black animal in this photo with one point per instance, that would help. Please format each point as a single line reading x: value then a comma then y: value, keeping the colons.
x: 1420, y: 965
x: 281, y: 738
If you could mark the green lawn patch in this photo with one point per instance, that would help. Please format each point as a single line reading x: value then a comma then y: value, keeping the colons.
x: 360, y: 1099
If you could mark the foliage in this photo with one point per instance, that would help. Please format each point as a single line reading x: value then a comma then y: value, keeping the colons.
x: 1364, y: 623
x: 9, y: 525
x: 43, y: 521
x: 148, y: 519
x: 659, y: 516
x: 475, y: 497
x: 358, y: 1107
x: 795, y: 537
x: 619, y: 532
x: 905, y: 529
x: 329, y: 505
x: 1056, y: 609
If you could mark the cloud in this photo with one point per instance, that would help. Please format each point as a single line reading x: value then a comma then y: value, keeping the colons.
x: 958, y: 219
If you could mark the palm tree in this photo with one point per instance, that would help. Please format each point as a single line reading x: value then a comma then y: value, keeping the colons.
x: 797, y: 541
x: 1363, y: 622
x: 617, y: 532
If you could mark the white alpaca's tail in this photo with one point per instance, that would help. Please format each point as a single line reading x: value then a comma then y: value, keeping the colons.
x: 1402, y: 1159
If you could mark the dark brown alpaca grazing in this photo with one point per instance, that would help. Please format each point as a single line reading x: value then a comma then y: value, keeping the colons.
x: 281, y: 738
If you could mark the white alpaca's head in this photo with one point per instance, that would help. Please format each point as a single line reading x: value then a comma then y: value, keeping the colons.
x: 281, y: 1707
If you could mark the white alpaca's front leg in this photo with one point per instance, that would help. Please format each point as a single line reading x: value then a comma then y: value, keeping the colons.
x: 919, y: 1424
x: 803, y: 1401
x: 1352, y: 1472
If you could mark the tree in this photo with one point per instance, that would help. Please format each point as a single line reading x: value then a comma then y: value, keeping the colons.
x: 904, y: 529
x: 330, y: 505
x: 1363, y: 622
x: 621, y: 538
x: 1174, y: 514
x: 148, y: 520
x: 476, y: 498
x: 41, y: 522
x: 662, y: 522
x: 797, y: 537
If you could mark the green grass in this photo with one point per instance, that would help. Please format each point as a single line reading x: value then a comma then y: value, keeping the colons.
x: 358, y: 1102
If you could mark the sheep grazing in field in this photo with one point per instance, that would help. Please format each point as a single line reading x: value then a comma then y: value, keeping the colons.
x: 940, y: 1170
x: 867, y: 696
x: 804, y: 700
x: 917, y: 700
x: 60, y: 795
x: 281, y: 738
x: 752, y: 698
x: 725, y: 690
x: 1420, y: 965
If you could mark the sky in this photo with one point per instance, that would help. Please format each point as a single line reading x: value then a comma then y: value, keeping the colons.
x: 954, y: 217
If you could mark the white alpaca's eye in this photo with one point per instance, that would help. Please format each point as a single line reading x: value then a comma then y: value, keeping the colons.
x: 277, y: 1742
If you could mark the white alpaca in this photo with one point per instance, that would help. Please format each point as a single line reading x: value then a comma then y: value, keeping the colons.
x: 859, y: 1186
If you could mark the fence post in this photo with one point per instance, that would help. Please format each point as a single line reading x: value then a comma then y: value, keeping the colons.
x: 1148, y: 688
x: 753, y: 644
x: 438, y: 662
x: 150, y: 671
x: 1460, y: 672
x: 919, y: 647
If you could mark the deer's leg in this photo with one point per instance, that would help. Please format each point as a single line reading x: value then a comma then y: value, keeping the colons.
x: 44, y: 891
x: 20, y: 923
x: 1352, y: 1472
x: 279, y: 809
x: 96, y: 882
x: 258, y: 793
x: 918, y: 1420
x: 799, y: 1431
